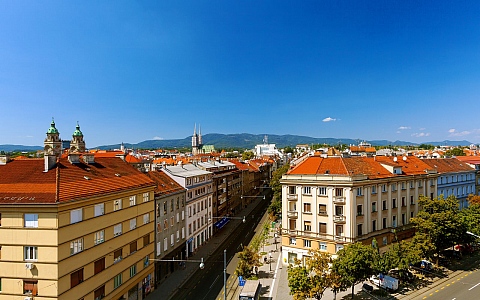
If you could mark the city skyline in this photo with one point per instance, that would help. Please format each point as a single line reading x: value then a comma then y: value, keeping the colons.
x: 398, y: 70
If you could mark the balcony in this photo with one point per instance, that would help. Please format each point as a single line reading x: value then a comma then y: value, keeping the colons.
x: 341, y: 239
x: 339, y: 219
x: 292, y: 214
x: 339, y: 199
x: 292, y: 197
x: 322, y: 213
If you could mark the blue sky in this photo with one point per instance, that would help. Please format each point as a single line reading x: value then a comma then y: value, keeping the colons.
x: 137, y: 70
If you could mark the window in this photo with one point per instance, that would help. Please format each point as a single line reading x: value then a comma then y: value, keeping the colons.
x: 339, y: 192
x: 146, y: 218
x: 404, y: 202
x: 323, y: 246
x: 30, y: 287
x: 76, y: 246
x: 411, y: 200
x: 404, y: 219
x: 384, y: 204
x: 117, y: 204
x: 31, y: 253
x: 384, y: 240
x: 374, y: 206
x: 99, y: 265
x: 394, y: 202
x: 177, y: 203
x: 419, y: 183
x: 171, y: 205
x: 394, y: 221
x: 411, y: 184
x: 339, y: 210
x: 99, y: 293
x: 307, y: 226
x: 292, y: 190
x: 75, y: 216
x: 99, y: 237
x: 411, y: 214
x: 360, y: 229
x: 403, y: 185
x: 374, y: 225
x: 322, y: 209
x: 292, y: 241
x: 76, y: 278
x: 146, y: 240
x: 172, y: 239
x: 307, y: 190
x: 394, y: 187
x: 359, y: 191
x: 374, y: 189
x: 133, y: 200
x: 307, y: 208
x: 133, y: 223
x: 99, y: 209
x: 384, y: 188
x: 117, y: 281
x: 133, y: 270
x: 133, y: 247
x: 322, y: 191
x: 31, y: 220
x: 117, y: 230
x: 322, y: 227
x: 146, y: 197
x: 117, y: 255
x: 165, y: 244
x: 146, y: 261
x: 165, y: 208
x: 307, y: 243
x: 359, y: 210
x: 384, y: 223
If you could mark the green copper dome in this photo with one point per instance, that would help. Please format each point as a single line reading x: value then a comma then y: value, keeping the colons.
x: 52, y: 128
x: 77, y: 131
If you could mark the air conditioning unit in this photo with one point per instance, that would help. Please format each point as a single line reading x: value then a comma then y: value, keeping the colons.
x: 29, y: 266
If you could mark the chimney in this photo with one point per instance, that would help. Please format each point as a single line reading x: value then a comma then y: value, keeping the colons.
x: 74, y: 158
x: 4, y: 159
x: 88, y: 158
x: 50, y: 161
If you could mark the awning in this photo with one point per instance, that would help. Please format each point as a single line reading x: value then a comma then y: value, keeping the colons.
x: 222, y: 222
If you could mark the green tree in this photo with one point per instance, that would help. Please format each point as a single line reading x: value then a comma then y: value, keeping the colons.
x: 248, y: 259
x: 275, y: 208
x: 471, y: 214
x: 439, y: 223
x: 354, y: 264
x: 289, y: 149
x: 455, y: 152
x: 311, y: 280
x: 248, y: 155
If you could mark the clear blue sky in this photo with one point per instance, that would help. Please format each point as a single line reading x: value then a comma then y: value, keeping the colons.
x: 137, y: 70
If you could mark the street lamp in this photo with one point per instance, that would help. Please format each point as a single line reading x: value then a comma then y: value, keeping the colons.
x: 270, y: 260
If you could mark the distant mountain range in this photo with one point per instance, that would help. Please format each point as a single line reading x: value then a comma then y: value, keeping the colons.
x: 244, y: 141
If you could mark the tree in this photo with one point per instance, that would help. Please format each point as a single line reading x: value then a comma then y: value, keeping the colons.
x: 471, y: 214
x: 473, y: 199
x: 275, y: 208
x: 439, y: 223
x: 289, y: 149
x: 248, y: 155
x: 354, y: 264
x: 311, y: 280
x: 455, y: 152
x: 248, y: 259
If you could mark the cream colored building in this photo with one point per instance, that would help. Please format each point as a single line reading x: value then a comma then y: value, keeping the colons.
x: 329, y: 202
x: 73, y: 226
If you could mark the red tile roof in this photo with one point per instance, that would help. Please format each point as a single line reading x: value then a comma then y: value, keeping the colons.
x: 448, y: 165
x: 165, y: 184
x: 24, y: 181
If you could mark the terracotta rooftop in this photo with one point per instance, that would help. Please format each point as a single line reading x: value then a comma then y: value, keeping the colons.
x: 24, y: 181
x: 165, y: 184
x: 448, y: 165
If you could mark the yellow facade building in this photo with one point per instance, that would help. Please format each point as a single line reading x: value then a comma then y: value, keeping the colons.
x: 73, y: 226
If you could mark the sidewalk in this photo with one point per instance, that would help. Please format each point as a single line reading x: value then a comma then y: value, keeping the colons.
x: 177, y: 279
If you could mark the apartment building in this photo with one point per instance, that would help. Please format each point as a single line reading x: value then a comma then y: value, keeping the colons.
x: 73, y: 226
x: 474, y: 162
x: 170, y: 224
x: 455, y: 178
x: 328, y: 202
x: 198, y: 185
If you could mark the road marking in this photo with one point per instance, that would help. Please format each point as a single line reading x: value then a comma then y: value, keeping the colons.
x: 473, y: 287
x: 448, y: 284
x: 214, y: 281
x: 442, y: 287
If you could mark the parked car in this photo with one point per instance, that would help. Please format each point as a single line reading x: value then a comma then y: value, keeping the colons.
x: 385, y: 281
x: 367, y: 288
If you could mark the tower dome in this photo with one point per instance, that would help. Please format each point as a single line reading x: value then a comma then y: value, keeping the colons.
x: 77, y: 131
x: 52, y: 128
